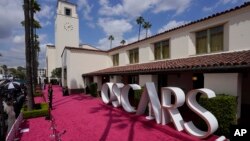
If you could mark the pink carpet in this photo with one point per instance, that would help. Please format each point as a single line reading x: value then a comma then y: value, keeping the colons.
x: 85, y: 118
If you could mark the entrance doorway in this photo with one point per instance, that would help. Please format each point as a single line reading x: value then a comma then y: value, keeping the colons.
x: 198, y: 80
x: 162, y: 82
x: 245, y: 99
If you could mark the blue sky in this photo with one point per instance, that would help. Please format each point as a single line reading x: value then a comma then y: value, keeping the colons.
x: 98, y: 19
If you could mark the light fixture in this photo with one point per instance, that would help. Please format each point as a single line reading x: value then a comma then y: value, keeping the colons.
x: 194, y: 78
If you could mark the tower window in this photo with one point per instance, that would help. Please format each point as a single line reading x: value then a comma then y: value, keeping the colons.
x: 67, y: 12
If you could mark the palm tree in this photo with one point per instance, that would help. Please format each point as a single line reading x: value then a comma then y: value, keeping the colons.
x: 123, y: 42
x: 146, y: 26
x: 30, y: 7
x: 111, y: 38
x: 26, y: 9
x: 140, y: 21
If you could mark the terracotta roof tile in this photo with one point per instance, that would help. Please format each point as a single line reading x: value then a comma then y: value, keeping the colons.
x: 212, y: 61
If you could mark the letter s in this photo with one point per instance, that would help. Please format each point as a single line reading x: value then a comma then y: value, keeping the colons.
x: 209, y: 118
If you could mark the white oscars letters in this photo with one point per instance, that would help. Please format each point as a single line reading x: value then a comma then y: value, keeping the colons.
x: 164, y: 112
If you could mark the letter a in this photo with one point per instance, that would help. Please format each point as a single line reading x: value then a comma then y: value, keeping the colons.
x: 237, y: 132
x: 150, y: 94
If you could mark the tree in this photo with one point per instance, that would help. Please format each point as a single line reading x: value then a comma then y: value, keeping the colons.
x: 123, y: 42
x: 147, y: 26
x: 27, y: 19
x: 111, y: 38
x: 140, y: 21
x: 5, y: 68
x: 30, y: 7
x: 57, y: 72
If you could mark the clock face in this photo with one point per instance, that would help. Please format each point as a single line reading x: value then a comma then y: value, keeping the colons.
x: 68, y: 26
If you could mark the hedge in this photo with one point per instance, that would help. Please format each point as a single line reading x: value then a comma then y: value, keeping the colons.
x: 41, y: 109
x: 37, y: 94
x: 93, y: 89
x: 224, y: 108
x: 137, y: 96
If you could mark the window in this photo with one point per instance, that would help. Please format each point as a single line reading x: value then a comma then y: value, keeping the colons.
x: 209, y: 40
x: 161, y: 50
x: 133, y: 56
x: 67, y: 12
x: 115, y: 60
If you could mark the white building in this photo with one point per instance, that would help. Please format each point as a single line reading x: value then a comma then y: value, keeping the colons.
x: 213, y: 52
x: 41, y: 72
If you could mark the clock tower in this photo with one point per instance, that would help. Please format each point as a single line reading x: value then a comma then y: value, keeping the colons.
x: 66, y: 28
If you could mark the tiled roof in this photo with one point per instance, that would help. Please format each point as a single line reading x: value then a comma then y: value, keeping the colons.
x: 50, y: 45
x: 188, y: 24
x: 221, y: 61
x: 85, y: 49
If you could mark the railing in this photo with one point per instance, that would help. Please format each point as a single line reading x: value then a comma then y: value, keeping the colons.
x: 14, y: 131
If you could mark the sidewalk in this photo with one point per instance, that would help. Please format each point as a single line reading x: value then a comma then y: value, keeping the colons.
x: 85, y: 118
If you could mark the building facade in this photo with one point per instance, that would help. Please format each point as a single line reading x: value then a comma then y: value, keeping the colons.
x: 212, y: 52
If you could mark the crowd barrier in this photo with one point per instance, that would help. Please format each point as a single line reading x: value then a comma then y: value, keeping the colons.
x: 14, y: 131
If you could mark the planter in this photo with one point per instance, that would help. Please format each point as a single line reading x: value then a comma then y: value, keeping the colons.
x: 40, y: 110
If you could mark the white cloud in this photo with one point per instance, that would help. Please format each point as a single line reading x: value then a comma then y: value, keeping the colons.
x: 132, y: 8
x: 177, y: 5
x: 18, y: 39
x: 172, y: 24
x: 86, y: 8
x: 135, y: 8
x: 11, y: 14
x: 42, y: 55
x: 220, y: 2
x: 114, y: 27
x: 46, y: 12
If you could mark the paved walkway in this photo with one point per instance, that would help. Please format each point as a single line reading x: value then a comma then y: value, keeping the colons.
x: 85, y: 118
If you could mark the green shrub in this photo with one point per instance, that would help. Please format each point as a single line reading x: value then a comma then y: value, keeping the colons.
x: 224, y: 108
x: 137, y: 96
x: 37, y: 94
x: 40, y: 110
x: 93, y: 89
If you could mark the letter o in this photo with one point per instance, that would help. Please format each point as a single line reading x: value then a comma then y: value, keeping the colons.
x: 104, y: 93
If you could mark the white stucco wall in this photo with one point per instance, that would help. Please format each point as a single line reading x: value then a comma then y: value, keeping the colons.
x: 239, y: 31
x: 143, y: 79
x: 179, y: 45
x: 225, y: 83
x: 80, y: 62
x: 88, y: 47
x: 51, y: 59
x: 222, y: 83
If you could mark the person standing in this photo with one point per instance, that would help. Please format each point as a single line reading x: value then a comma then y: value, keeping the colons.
x: 50, y: 91
x: 9, y: 109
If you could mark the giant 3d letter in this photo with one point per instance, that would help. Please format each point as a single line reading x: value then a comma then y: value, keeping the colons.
x: 124, y: 97
x: 150, y: 94
x: 117, y: 92
x: 209, y: 118
x: 106, y: 90
x: 171, y: 109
